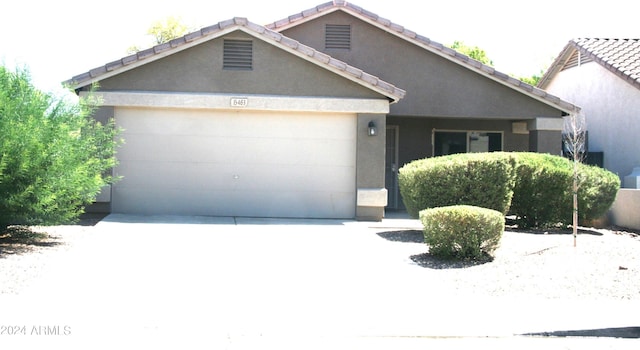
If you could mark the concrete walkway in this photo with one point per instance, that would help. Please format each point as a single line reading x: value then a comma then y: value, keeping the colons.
x: 247, y: 283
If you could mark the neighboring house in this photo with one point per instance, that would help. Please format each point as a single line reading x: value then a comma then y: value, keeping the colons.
x: 306, y: 117
x: 602, y: 76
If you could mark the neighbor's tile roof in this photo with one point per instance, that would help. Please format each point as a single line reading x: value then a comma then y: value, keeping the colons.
x: 423, y: 42
x: 129, y: 62
x: 620, y: 56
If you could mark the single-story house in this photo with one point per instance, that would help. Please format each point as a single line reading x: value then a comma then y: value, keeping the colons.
x: 602, y: 76
x: 310, y: 116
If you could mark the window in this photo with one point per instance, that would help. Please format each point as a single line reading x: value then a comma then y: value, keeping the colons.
x: 452, y: 142
x: 337, y: 36
x: 238, y: 55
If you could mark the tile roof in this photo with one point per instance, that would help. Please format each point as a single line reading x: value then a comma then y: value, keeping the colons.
x: 159, y: 51
x: 620, y: 56
x: 425, y: 43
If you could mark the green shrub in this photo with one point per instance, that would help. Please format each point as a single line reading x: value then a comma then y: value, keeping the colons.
x: 479, y: 179
x: 53, y: 155
x: 597, y: 192
x: 535, y: 187
x: 462, y: 232
x: 542, y: 193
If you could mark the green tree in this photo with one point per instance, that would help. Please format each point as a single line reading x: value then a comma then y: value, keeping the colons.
x: 54, y: 158
x: 474, y: 52
x: 162, y: 31
x: 532, y: 80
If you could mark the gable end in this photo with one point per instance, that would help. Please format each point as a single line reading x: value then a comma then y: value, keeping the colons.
x: 576, y: 60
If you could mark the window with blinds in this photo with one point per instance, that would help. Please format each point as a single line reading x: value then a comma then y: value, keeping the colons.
x: 337, y: 36
x: 238, y: 55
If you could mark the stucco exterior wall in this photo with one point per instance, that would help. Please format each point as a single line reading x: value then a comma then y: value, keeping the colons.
x: 435, y: 86
x: 199, y: 69
x: 370, y: 168
x: 612, y: 109
x: 625, y: 209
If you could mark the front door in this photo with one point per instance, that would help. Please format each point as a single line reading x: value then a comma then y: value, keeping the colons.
x: 391, y: 167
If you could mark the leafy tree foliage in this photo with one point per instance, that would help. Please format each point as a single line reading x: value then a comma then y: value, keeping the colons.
x: 163, y: 31
x: 54, y: 158
x: 480, y: 55
x: 532, y: 80
x: 474, y: 52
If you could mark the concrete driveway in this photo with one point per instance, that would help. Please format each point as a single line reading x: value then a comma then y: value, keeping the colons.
x: 242, y: 283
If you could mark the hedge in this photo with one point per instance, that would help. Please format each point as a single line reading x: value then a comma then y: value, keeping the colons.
x: 480, y: 179
x: 535, y: 187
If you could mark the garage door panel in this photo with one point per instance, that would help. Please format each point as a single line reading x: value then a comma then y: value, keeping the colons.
x: 291, y: 177
x: 159, y: 176
x: 168, y: 148
x: 233, y: 124
x: 237, y: 164
x: 307, y: 152
x: 231, y: 203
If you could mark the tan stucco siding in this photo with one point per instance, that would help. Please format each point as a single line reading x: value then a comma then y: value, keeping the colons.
x: 435, y: 86
x: 199, y: 69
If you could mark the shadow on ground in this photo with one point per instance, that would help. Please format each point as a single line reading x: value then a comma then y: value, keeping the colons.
x: 22, y: 239
x: 407, y: 236
x: 427, y: 260
x: 622, y: 332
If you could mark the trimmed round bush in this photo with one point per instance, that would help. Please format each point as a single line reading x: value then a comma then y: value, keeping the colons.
x: 542, y: 192
x: 598, y: 190
x: 479, y: 179
x: 462, y: 231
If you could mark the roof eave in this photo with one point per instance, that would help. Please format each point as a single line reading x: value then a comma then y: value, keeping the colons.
x: 557, y: 64
x: 144, y: 57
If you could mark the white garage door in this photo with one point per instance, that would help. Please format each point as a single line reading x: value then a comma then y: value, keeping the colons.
x: 236, y: 163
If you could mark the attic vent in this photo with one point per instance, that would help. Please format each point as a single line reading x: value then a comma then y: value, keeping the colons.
x: 337, y: 36
x: 238, y: 55
x: 576, y: 60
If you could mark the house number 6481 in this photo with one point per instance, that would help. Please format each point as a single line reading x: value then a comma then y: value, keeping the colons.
x: 239, y: 102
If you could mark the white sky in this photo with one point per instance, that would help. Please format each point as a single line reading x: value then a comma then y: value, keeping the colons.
x: 56, y: 40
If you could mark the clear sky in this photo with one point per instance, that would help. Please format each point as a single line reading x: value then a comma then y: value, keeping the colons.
x: 56, y: 40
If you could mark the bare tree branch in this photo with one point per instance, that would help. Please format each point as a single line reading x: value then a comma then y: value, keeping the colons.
x: 574, y: 139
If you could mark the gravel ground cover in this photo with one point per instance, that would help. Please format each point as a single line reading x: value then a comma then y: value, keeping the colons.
x: 605, y: 264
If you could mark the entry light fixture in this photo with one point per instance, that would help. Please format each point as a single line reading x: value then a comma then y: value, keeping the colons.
x: 373, y: 130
